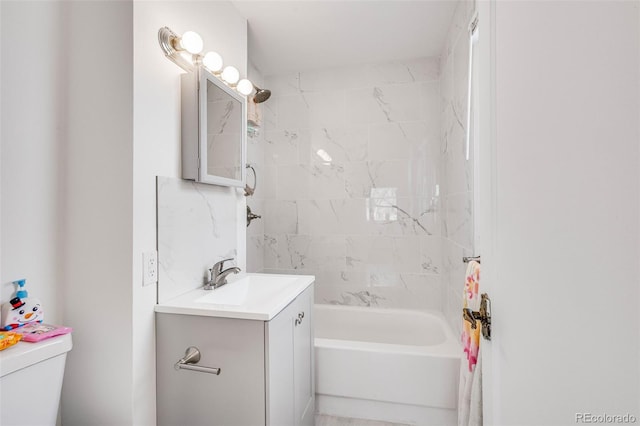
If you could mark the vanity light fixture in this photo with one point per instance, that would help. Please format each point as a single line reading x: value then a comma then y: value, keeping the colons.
x: 191, y: 42
x: 173, y: 47
x: 213, y: 62
x: 185, y: 52
x: 245, y: 87
x: 230, y: 75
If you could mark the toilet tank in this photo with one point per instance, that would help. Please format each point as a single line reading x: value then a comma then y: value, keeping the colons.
x: 31, y: 380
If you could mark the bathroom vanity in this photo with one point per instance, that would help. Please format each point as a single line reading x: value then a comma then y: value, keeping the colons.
x: 256, y: 364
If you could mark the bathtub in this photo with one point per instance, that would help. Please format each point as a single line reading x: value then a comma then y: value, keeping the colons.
x: 385, y: 364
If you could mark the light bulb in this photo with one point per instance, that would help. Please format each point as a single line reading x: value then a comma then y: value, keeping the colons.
x: 212, y: 61
x: 230, y: 75
x: 244, y: 86
x: 191, y: 42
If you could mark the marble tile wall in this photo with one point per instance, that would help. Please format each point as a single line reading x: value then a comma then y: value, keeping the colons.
x: 255, y: 157
x: 350, y: 177
x: 197, y: 226
x: 457, y: 170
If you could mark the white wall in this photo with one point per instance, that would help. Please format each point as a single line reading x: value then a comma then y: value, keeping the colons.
x: 566, y: 212
x: 33, y: 103
x: 157, y: 150
x: 84, y: 134
x: 97, y: 231
x: 66, y: 164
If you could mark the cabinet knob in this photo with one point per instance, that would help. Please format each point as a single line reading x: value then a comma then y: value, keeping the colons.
x: 299, y: 319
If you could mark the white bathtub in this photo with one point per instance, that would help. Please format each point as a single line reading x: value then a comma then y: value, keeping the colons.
x: 386, y: 364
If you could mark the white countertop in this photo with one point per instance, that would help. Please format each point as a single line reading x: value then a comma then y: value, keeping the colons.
x: 245, y: 296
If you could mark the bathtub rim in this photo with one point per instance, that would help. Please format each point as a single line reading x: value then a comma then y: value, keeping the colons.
x: 450, y: 348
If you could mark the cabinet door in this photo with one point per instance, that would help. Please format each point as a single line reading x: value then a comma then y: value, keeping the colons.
x: 279, y: 340
x: 303, y: 359
x: 191, y: 398
x: 290, y: 369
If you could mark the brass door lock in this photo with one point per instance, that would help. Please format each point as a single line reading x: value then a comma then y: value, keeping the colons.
x: 483, y: 315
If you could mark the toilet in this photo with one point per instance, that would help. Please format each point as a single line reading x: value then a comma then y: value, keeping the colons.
x: 31, y: 380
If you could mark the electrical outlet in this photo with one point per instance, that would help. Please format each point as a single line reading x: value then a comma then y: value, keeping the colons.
x: 149, y: 268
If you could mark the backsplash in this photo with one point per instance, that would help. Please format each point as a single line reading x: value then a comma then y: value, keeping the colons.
x: 350, y: 186
x: 197, y: 226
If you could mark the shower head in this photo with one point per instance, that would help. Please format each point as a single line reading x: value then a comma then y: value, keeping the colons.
x: 261, y: 95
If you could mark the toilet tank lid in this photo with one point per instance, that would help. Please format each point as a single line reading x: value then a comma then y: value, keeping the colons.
x: 24, y: 354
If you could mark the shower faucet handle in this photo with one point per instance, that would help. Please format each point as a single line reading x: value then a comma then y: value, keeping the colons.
x: 251, y: 216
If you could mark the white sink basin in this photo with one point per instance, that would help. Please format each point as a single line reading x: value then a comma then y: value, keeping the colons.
x: 247, y: 296
x: 241, y: 290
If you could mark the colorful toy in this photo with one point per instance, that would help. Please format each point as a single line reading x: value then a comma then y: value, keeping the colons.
x: 36, y: 331
x: 8, y: 338
x: 21, y: 292
x: 21, y: 310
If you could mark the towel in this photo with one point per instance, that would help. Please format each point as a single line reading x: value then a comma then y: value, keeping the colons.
x: 470, y: 389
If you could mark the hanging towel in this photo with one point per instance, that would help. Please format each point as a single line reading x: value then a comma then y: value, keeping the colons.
x: 470, y: 389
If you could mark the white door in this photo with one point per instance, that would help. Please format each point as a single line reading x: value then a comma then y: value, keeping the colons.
x: 560, y: 211
x: 484, y: 181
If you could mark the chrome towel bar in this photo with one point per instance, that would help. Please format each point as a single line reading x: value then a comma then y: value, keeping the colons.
x: 192, y: 357
x: 467, y: 259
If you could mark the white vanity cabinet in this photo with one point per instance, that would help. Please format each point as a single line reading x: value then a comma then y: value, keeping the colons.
x: 266, y: 368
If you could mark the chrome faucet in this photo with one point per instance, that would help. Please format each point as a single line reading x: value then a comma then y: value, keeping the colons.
x: 219, y: 276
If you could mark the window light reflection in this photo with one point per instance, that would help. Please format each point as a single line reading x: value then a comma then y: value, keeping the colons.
x: 381, y: 205
x: 324, y: 156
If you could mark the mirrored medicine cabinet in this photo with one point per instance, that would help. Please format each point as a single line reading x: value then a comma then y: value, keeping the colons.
x: 214, y: 130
